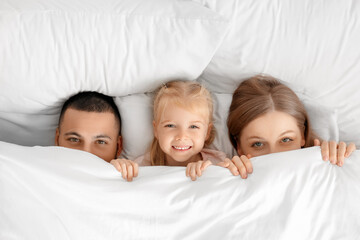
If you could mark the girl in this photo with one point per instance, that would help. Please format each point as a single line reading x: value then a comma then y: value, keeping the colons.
x: 182, y: 126
x: 266, y: 116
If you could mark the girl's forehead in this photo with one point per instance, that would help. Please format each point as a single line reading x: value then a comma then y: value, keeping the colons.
x: 176, y: 109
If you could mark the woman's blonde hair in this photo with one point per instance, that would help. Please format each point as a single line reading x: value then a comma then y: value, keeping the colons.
x: 262, y: 94
x: 188, y: 95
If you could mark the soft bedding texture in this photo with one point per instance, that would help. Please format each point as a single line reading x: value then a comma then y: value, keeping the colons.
x: 57, y: 193
x: 50, y: 50
x: 313, y: 45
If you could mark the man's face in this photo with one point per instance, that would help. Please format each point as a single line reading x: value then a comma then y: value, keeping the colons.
x: 93, y: 132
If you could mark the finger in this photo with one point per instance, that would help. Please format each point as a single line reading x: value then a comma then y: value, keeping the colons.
x: 325, y: 150
x: 232, y: 167
x: 198, y: 167
x: 188, y: 169
x: 316, y: 142
x: 224, y: 163
x: 333, y: 152
x: 124, y: 170
x: 205, y: 164
x: 116, y: 164
x: 240, y: 166
x: 193, y: 172
x: 341, y: 153
x: 247, y: 163
x: 136, y: 169
x: 130, y: 171
x: 350, y: 149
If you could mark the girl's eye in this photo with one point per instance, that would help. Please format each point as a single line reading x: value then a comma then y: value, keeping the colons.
x: 194, y: 127
x: 170, y: 125
x: 75, y: 140
x: 257, y: 144
x: 286, y: 140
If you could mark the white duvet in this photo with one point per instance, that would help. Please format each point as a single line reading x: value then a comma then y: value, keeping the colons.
x: 57, y: 193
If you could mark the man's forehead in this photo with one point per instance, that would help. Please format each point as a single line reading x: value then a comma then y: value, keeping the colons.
x: 73, y: 117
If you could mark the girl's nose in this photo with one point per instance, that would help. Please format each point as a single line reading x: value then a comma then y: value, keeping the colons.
x: 181, y: 134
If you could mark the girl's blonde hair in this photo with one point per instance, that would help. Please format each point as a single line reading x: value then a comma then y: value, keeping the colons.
x: 262, y: 94
x: 188, y: 95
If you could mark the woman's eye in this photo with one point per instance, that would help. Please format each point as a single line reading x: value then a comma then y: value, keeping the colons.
x: 75, y: 140
x: 257, y: 144
x: 286, y: 140
x: 194, y: 127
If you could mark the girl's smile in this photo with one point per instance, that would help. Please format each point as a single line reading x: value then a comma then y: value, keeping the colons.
x: 181, y: 134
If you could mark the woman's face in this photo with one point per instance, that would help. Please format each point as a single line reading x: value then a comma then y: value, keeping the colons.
x: 270, y: 133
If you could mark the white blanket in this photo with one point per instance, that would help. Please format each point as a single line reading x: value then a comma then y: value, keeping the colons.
x: 57, y: 193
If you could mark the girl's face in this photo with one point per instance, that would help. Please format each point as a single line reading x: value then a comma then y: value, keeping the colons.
x: 272, y: 132
x: 181, y: 134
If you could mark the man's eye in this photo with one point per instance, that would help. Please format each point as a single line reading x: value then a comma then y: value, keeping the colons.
x: 194, y: 126
x: 286, y: 140
x: 169, y: 125
x: 257, y: 144
x: 101, y: 142
x: 75, y: 140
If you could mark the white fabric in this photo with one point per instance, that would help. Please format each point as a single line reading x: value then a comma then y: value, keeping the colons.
x: 58, y: 193
x: 52, y: 49
x: 312, y: 44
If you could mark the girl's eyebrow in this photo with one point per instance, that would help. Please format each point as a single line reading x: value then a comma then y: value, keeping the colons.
x: 166, y: 121
x: 201, y: 122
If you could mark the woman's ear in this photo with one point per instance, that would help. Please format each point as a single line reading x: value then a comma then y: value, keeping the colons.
x: 302, y: 142
x: 57, y: 135
x: 154, y: 129
x: 238, y: 148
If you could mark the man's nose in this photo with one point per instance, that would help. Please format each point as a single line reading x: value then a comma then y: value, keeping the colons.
x: 87, y: 148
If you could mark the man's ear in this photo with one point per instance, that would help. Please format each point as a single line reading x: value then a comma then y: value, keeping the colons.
x: 154, y: 129
x: 119, y: 146
x: 57, y: 135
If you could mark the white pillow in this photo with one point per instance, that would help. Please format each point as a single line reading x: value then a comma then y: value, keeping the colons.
x: 51, y: 50
x: 136, y: 121
x: 301, y: 42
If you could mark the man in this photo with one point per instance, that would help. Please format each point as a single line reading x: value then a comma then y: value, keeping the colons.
x: 90, y: 121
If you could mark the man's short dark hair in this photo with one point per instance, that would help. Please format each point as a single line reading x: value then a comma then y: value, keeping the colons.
x: 92, y: 102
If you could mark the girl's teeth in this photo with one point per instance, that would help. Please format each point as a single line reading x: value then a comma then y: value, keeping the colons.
x: 181, y: 148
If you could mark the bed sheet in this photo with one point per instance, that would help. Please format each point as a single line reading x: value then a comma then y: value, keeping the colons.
x: 57, y: 193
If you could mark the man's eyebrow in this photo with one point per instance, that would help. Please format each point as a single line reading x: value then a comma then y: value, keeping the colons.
x: 72, y: 133
x: 103, y: 136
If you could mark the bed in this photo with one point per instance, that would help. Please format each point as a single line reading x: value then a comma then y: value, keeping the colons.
x: 50, y: 50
